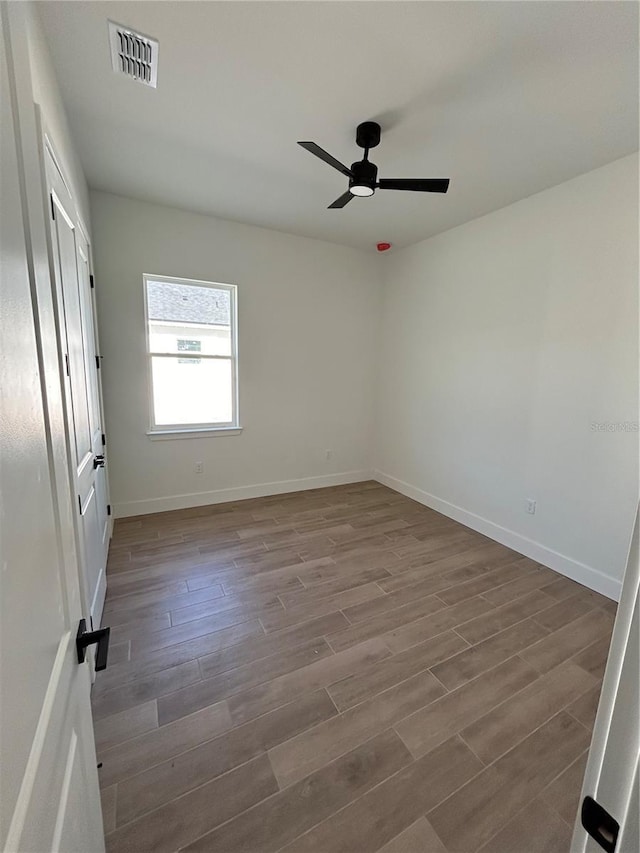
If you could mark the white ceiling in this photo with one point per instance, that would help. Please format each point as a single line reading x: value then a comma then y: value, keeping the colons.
x: 505, y: 98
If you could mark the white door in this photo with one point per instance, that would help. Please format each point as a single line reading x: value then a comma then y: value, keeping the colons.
x: 74, y: 311
x: 611, y: 776
x: 50, y: 798
x: 98, y: 442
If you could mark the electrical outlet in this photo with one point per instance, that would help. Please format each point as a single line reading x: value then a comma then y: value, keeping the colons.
x: 328, y: 454
x: 531, y: 506
x: 199, y: 467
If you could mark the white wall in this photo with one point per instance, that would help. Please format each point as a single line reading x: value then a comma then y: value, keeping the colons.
x: 308, y: 313
x: 47, y: 95
x: 498, y: 345
x: 504, y: 340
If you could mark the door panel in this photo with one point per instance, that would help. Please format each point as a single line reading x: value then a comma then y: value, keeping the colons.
x: 50, y: 797
x: 612, y: 768
x: 94, y: 397
x: 95, y: 566
x: 77, y: 341
x: 88, y: 340
x: 71, y: 317
x: 104, y: 527
x: 62, y: 799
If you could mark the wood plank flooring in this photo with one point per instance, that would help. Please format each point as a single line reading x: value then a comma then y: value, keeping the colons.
x: 341, y: 671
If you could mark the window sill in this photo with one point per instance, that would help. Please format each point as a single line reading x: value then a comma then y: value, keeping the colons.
x: 168, y: 434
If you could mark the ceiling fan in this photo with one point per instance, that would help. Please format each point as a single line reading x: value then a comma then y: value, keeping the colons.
x: 363, y: 174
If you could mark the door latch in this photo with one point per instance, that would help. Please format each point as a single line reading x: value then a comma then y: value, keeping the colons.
x: 599, y: 824
x: 98, y: 462
x: 86, y: 638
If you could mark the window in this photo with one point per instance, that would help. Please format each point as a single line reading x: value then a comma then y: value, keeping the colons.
x: 191, y: 336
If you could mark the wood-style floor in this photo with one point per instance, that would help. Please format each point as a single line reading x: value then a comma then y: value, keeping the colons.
x: 341, y: 671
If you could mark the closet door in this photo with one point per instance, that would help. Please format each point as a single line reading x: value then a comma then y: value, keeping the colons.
x: 80, y: 365
x: 96, y: 424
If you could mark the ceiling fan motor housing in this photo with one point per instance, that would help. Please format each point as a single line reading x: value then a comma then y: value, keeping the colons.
x: 368, y: 134
x: 364, y: 174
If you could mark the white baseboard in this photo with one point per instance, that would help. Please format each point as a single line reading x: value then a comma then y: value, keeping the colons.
x: 127, y: 509
x: 580, y: 572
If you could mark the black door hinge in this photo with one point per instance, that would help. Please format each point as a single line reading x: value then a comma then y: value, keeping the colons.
x: 108, y: 509
x: 80, y: 504
x: 104, y: 440
x: 53, y: 208
x: 91, y: 281
x: 98, y: 357
x: 599, y: 824
x: 66, y: 362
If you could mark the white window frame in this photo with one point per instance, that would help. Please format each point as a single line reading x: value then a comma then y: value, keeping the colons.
x: 169, y: 431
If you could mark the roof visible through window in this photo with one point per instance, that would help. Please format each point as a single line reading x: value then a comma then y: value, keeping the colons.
x: 186, y: 303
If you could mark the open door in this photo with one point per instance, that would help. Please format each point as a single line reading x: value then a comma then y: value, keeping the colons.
x: 608, y: 818
x: 98, y: 436
x: 80, y: 363
x: 50, y: 798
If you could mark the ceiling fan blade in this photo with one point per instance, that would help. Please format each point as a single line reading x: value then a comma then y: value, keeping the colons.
x: 323, y: 155
x: 419, y: 185
x: 345, y: 198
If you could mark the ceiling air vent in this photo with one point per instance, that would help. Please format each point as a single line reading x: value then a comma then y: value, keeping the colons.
x: 134, y: 54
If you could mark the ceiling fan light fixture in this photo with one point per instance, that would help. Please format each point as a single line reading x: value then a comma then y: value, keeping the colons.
x: 361, y: 190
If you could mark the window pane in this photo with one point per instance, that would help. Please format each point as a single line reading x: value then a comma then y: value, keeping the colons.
x: 189, y: 346
x: 180, y: 313
x: 192, y: 391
